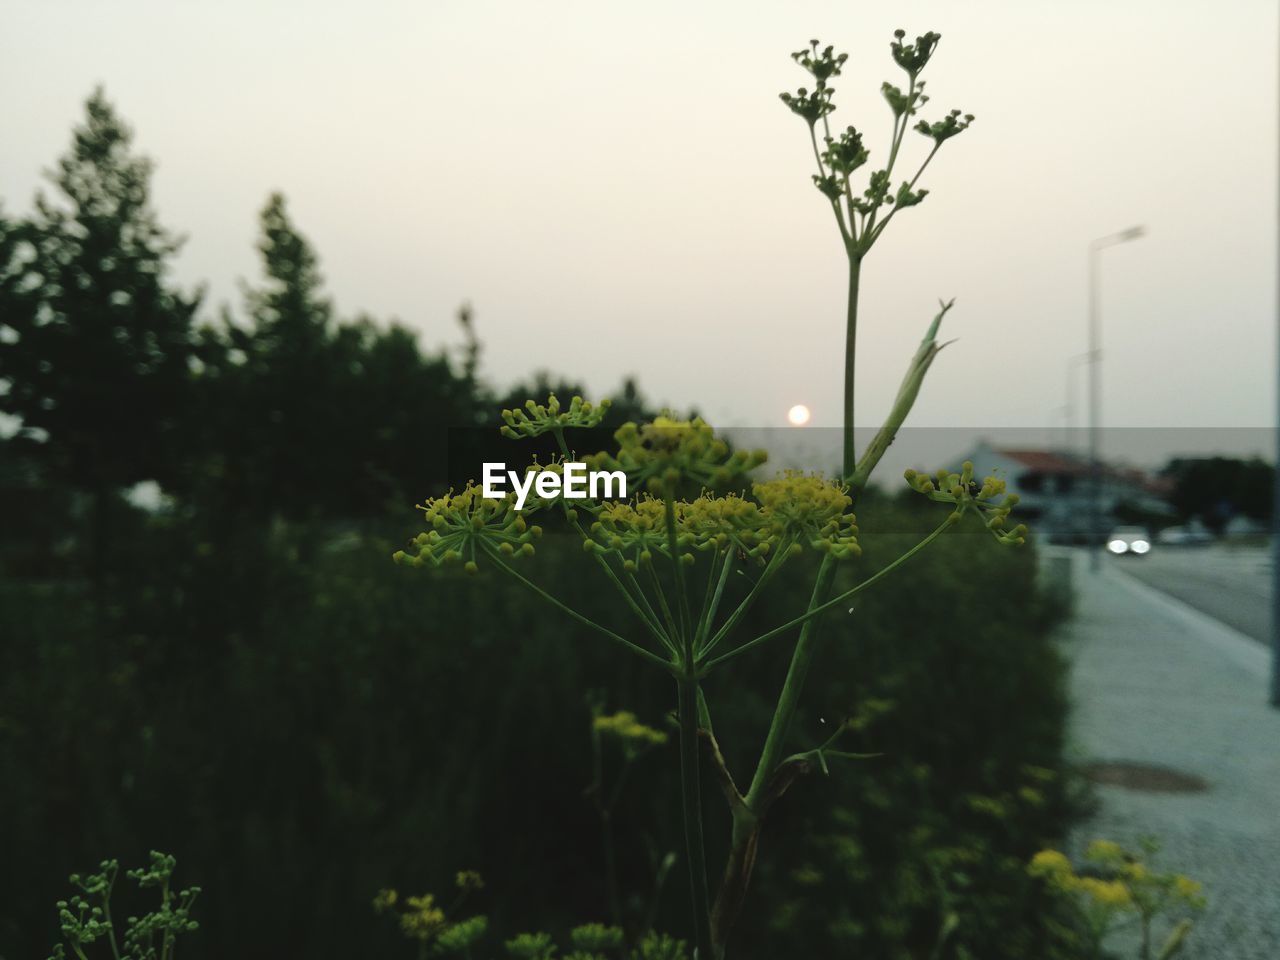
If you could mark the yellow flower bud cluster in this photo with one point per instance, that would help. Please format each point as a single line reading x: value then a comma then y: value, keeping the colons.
x: 662, y: 454
x: 721, y: 523
x: 1119, y: 884
x: 812, y: 510
x: 635, y: 529
x: 422, y: 919
x: 796, y: 509
x: 462, y: 524
x: 468, y: 880
x: 962, y: 490
x: 535, y: 419
x: 627, y: 728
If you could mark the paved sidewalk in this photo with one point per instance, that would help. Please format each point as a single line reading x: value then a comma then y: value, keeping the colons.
x: 1156, y: 682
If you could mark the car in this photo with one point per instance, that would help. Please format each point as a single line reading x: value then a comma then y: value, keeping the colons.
x: 1133, y: 541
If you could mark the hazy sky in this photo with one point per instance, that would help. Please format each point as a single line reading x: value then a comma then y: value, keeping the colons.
x: 618, y: 190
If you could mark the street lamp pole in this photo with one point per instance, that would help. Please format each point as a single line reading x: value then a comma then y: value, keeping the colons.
x: 1095, y: 388
x: 1275, y: 535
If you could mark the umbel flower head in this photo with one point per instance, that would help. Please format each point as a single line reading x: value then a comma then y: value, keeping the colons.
x: 636, y: 530
x: 535, y: 419
x: 811, y: 511
x: 464, y: 524
x: 912, y: 57
x: 823, y: 65
x: 811, y: 107
x: 946, y: 128
x: 662, y: 454
x: 846, y: 153
x: 628, y: 729
x: 961, y: 489
x: 729, y: 522
x: 797, y: 510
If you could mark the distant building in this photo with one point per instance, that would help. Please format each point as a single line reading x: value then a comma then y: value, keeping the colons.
x: 1055, y: 489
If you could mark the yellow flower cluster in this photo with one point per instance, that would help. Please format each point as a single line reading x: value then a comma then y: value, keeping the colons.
x: 962, y: 490
x: 662, y: 454
x: 422, y: 919
x: 463, y: 523
x: 810, y: 509
x: 635, y: 529
x: 718, y: 523
x: 1054, y: 867
x: 627, y: 728
x: 535, y: 419
x: 468, y: 881
x: 1122, y: 882
x: 795, y: 509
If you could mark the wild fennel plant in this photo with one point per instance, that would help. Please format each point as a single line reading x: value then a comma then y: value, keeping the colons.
x: 85, y: 918
x: 1119, y: 889
x: 669, y: 556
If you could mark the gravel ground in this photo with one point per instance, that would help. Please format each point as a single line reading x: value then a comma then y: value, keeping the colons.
x: 1156, y: 682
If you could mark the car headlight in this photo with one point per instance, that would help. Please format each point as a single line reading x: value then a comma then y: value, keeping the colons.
x: 1139, y: 546
x: 1117, y: 546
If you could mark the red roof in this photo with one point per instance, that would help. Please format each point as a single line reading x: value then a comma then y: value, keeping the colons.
x: 1046, y: 461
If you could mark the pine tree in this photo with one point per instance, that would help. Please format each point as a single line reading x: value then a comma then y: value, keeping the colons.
x: 98, y: 343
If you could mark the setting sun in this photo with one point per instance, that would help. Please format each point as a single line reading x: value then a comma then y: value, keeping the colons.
x: 798, y: 415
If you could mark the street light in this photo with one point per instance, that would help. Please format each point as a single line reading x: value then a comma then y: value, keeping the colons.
x: 1095, y: 385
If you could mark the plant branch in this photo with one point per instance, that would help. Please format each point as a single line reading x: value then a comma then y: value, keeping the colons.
x: 821, y: 608
x: 822, y: 172
x: 875, y: 235
x: 585, y: 621
x: 789, y: 698
x: 850, y: 362
x: 776, y: 561
x: 647, y: 617
x: 662, y: 600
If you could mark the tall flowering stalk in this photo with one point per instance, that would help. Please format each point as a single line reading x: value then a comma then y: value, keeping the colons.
x: 669, y: 557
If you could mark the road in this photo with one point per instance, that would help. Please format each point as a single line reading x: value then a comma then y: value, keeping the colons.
x: 1230, y: 584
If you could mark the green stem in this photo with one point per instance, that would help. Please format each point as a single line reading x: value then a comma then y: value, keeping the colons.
x: 714, y: 607
x: 789, y: 698
x: 690, y: 784
x: 821, y: 608
x: 775, y: 562
x: 850, y: 358
x: 662, y: 599
x: 646, y: 616
x: 822, y: 172
x: 106, y: 915
x: 585, y: 621
x: 677, y: 572
x: 643, y: 598
x: 691, y: 794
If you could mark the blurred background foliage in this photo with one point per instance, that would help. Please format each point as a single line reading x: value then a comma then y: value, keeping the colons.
x: 235, y: 672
